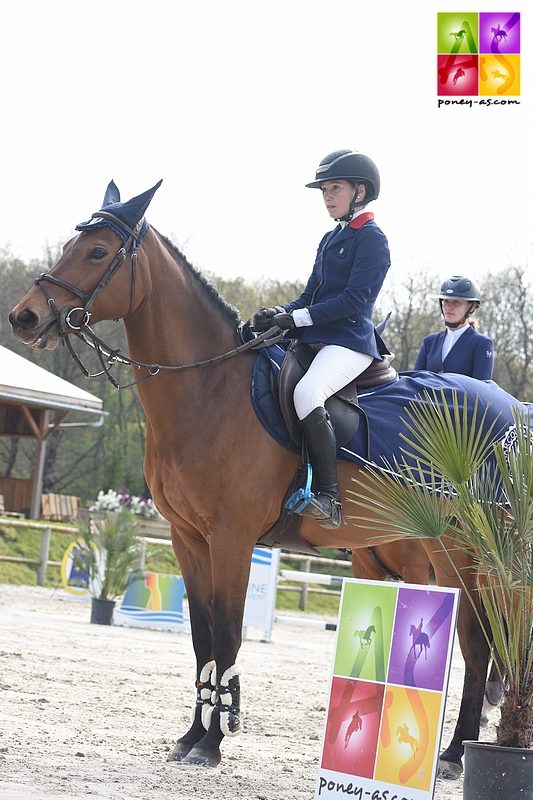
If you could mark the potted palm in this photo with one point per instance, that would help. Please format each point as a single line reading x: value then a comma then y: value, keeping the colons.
x: 110, y: 554
x: 455, y: 477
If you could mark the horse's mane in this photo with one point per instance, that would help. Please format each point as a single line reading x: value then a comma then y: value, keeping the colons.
x: 231, y: 312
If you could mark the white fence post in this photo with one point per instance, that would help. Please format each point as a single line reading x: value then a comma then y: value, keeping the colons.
x: 304, y: 593
x: 46, y: 536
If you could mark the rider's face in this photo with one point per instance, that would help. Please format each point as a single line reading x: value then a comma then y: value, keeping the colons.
x: 337, y: 196
x: 454, y: 310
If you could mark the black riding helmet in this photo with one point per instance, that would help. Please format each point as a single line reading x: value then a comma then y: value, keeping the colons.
x: 350, y: 166
x: 460, y: 288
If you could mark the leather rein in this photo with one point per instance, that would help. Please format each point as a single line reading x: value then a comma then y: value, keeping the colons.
x: 68, y: 326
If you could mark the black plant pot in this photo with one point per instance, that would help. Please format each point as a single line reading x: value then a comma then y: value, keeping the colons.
x: 493, y: 772
x: 102, y: 611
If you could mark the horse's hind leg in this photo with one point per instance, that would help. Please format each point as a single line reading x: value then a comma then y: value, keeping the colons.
x: 193, y: 557
x: 493, y: 691
x: 475, y: 650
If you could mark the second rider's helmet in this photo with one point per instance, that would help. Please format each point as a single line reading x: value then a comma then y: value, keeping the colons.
x: 460, y: 288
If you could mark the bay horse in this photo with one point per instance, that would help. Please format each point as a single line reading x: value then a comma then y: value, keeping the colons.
x: 213, y: 470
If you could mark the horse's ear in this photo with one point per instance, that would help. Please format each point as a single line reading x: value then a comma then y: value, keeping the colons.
x: 112, y: 194
x: 133, y: 210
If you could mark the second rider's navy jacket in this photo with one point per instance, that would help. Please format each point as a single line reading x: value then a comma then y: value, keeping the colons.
x: 472, y: 355
x: 349, y: 270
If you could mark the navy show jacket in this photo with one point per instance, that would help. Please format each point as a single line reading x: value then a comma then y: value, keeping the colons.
x: 472, y: 354
x: 349, y: 271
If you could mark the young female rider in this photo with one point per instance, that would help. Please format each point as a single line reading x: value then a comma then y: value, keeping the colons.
x: 459, y: 348
x: 334, y: 313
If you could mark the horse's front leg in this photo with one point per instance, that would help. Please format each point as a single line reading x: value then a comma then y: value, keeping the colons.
x: 230, y: 573
x: 194, y: 560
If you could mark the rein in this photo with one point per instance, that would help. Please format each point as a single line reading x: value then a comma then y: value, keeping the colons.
x: 107, y: 355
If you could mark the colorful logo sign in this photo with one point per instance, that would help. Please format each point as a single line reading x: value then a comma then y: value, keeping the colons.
x: 388, y: 691
x: 478, y: 54
x: 75, y: 570
x: 153, y: 601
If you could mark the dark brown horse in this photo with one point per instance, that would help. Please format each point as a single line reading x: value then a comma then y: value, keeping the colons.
x: 213, y: 470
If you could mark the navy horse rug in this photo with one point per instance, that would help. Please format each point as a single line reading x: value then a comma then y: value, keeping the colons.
x: 383, y: 408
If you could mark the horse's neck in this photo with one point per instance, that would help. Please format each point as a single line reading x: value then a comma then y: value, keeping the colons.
x: 178, y: 322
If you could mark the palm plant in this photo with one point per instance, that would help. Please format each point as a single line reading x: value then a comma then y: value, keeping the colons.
x: 453, y: 477
x: 110, y: 554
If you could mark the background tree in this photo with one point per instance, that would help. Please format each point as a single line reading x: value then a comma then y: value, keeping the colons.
x: 508, y: 319
x: 415, y: 313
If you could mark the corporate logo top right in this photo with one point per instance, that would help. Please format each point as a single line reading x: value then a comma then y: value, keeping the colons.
x: 478, y: 56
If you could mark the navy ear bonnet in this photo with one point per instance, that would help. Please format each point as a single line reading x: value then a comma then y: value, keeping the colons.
x: 131, y: 213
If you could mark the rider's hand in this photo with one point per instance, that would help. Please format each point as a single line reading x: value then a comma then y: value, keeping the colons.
x: 262, y: 319
x: 285, y: 321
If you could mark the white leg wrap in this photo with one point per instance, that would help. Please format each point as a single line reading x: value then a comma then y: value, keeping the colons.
x: 207, y: 671
x: 230, y: 719
x: 207, y: 713
x: 205, y: 689
x: 230, y: 673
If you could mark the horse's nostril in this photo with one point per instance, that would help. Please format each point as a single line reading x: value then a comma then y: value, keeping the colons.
x: 24, y: 319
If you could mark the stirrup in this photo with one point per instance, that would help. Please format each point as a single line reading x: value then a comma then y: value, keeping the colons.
x: 301, y: 497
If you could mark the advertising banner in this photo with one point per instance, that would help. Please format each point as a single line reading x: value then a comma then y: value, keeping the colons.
x: 261, y: 594
x: 388, y: 691
x: 153, y: 601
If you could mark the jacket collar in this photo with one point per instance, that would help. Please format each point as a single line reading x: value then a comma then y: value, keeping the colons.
x: 339, y: 233
x: 361, y: 219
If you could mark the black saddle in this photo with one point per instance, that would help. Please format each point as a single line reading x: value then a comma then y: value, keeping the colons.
x: 342, y: 407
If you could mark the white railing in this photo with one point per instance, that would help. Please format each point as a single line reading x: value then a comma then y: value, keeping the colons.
x: 158, y: 532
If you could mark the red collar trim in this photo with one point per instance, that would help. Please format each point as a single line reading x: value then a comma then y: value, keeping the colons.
x: 359, y: 221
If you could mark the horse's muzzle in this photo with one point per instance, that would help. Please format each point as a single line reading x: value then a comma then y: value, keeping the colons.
x: 28, y: 329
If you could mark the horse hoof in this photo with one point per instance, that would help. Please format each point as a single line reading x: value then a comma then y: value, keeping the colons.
x: 179, y: 753
x: 199, y: 758
x: 493, y: 693
x: 450, y: 770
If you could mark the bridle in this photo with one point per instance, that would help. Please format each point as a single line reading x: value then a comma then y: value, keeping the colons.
x: 107, y: 355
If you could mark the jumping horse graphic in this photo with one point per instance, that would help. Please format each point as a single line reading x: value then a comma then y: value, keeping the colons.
x: 404, y: 737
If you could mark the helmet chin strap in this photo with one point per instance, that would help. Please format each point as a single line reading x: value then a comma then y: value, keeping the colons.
x: 353, y: 205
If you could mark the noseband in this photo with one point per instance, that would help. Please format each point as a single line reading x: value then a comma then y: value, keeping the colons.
x: 108, y: 356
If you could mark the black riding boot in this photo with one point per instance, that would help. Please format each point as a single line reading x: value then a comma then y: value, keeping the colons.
x: 319, y: 434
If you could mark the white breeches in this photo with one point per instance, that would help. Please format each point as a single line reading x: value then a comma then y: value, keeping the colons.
x: 332, y: 368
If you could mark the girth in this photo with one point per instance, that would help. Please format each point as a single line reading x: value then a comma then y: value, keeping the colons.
x: 343, y: 407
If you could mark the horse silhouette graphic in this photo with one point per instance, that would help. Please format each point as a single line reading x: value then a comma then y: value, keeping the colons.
x: 497, y: 74
x: 420, y: 639
x: 365, y: 637
x: 458, y: 35
x: 499, y: 33
x: 356, y: 724
x: 459, y: 74
x: 404, y: 737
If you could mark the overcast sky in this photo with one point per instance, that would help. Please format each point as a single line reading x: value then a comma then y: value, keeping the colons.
x: 234, y: 104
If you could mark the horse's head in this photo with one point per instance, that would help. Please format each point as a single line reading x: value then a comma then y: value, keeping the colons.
x: 76, y: 289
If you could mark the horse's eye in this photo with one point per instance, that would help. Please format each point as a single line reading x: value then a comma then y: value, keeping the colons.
x: 97, y: 253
